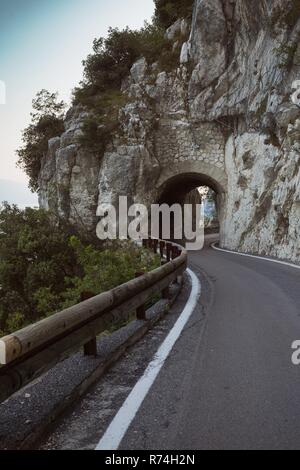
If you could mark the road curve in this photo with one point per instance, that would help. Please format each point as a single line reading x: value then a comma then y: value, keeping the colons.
x: 241, y: 390
x: 229, y: 382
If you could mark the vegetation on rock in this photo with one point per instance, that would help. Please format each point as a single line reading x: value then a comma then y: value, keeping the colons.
x: 287, y: 16
x: 47, y: 121
x: 113, y: 57
x: 110, y: 63
x: 168, y: 11
x: 286, y: 53
x: 99, y: 92
x: 104, y: 71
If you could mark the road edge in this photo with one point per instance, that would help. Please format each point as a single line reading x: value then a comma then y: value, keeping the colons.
x: 248, y: 255
x: 34, y: 432
x: 124, y: 417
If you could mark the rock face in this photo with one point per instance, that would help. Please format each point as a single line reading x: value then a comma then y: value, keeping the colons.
x: 69, y: 178
x: 224, y: 118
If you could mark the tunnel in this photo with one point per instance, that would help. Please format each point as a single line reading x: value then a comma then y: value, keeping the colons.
x: 194, y: 189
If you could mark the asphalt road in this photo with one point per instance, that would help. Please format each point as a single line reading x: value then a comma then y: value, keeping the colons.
x: 229, y: 382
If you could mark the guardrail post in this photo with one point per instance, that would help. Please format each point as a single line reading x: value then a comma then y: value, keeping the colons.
x: 155, y: 245
x: 161, y: 249
x: 90, y: 348
x: 165, y: 293
x: 169, y: 249
x: 175, y: 252
x: 140, y: 311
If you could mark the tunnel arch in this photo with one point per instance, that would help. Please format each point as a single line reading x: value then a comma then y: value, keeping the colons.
x: 205, y: 173
x: 178, y: 180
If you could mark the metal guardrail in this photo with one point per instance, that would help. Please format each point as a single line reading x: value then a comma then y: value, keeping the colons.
x: 32, y: 351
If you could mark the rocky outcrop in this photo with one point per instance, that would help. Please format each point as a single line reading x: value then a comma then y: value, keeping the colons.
x: 69, y: 178
x: 224, y: 117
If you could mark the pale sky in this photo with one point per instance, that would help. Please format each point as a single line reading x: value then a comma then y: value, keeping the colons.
x: 42, y: 45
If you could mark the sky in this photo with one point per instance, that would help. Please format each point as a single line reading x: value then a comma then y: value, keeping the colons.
x: 42, y: 45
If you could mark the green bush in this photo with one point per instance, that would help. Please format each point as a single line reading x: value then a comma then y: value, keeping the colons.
x: 44, y: 267
x: 103, y: 120
x: 168, y: 11
x: 46, y: 122
x: 106, y: 269
x: 286, y: 53
x: 34, y: 255
x: 107, y: 67
x: 113, y: 57
x: 111, y: 60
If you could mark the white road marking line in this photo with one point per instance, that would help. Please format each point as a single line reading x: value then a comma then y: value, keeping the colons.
x: 285, y: 263
x: 123, y: 419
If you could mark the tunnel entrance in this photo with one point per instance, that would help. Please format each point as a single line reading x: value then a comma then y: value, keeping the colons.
x: 211, y: 216
x: 194, y: 189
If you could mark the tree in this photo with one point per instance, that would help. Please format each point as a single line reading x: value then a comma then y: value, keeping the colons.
x: 108, y: 268
x: 46, y: 122
x: 46, y: 104
x: 168, y: 11
x: 45, y: 267
x: 113, y: 57
x: 35, y: 258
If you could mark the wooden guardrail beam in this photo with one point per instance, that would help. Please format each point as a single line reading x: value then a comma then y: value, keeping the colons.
x: 28, y: 339
x: 28, y: 353
x: 21, y: 372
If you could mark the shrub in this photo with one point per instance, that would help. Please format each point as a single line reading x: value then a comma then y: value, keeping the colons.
x: 111, y: 60
x: 262, y: 108
x: 107, y: 67
x: 104, y: 71
x: 106, y: 269
x: 103, y: 120
x: 168, y: 11
x: 113, y: 57
x: 45, y: 267
x: 35, y: 259
x: 286, y: 53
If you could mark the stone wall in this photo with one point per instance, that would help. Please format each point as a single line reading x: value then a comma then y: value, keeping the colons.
x: 180, y: 141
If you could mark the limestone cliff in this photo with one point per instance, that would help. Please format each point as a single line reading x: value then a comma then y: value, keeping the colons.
x: 224, y: 118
